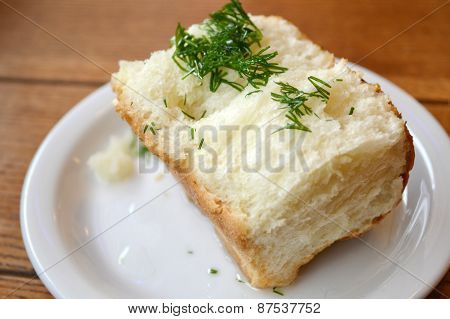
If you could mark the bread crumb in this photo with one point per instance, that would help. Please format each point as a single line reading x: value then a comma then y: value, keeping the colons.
x: 116, y: 162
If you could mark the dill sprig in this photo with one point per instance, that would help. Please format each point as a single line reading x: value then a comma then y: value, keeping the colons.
x: 201, y: 143
x: 151, y: 127
x: 213, y: 271
x: 319, y: 84
x: 142, y: 150
x: 192, y: 117
x: 252, y: 92
x: 230, y: 33
x: 275, y: 290
x: 188, y: 115
x: 294, y: 100
x: 238, y: 279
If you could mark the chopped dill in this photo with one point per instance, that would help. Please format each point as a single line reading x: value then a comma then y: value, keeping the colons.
x: 185, y: 97
x: 253, y: 92
x: 142, y: 150
x: 213, y: 271
x: 151, y: 127
x: 137, y: 147
x: 203, y: 114
x: 165, y: 102
x: 238, y: 279
x: 192, y: 133
x: 321, y: 91
x: 188, y: 115
x: 295, y: 100
x: 230, y: 33
x: 276, y: 291
x: 338, y: 80
x: 351, y: 111
x: 201, y: 144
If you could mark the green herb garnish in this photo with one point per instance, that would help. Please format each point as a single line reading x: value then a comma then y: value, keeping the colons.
x: 351, y: 110
x: 142, y: 150
x: 203, y: 114
x: 276, y: 291
x: 238, y: 279
x: 212, y: 271
x: 165, y: 102
x: 295, y: 100
x: 338, y: 80
x: 230, y: 33
x: 252, y: 92
x: 201, y: 144
x: 185, y: 97
x: 151, y: 127
x: 188, y: 115
x: 321, y: 91
x: 192, y: 133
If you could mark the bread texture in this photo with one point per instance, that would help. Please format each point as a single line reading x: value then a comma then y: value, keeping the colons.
x: 343, y: 176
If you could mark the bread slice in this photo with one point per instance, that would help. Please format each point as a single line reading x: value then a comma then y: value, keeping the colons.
x: 349, y: 171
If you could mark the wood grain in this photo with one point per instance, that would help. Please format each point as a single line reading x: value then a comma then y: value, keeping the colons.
x: 441, y: 112
x: 442, y: 290
x: 106, y: 31
x: 27, y: 113
x: 12, y: 286
x: 40, y: 79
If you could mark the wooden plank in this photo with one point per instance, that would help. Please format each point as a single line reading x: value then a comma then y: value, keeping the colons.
x: 22, y: 287
x: 27, y: 113
x: 107, y: 30
x: 441, y: 112
x: 442, y: 290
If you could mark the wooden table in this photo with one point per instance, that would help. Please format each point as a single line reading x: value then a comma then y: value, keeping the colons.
x: 53, y: 53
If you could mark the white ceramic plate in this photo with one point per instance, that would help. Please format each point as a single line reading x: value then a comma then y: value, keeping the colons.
x: 146, y: 254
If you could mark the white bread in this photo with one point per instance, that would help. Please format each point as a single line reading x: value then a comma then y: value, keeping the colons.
x: 274, y: 222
